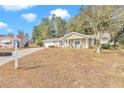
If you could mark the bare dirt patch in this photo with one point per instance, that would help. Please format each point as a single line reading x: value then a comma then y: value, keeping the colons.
x: 66, y: 68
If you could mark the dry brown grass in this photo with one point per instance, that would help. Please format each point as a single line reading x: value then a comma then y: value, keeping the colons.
x: 66, y: 68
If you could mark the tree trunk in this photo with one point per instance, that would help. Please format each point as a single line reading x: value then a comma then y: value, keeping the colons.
x: 98, y: 45
x: 98, y: 48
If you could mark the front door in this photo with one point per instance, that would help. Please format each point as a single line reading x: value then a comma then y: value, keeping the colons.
x: 77, y: 43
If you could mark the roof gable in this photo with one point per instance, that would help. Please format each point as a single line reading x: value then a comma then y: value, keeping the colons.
x: 52, y: 40
x: 8, y: 37
x: 74, y: 35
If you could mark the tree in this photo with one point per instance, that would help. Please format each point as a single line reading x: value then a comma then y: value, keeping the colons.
x: 49, y: 28
x: 79, y: 24
x: 37, y: 35
x: 103, y: 19
x: 40, y: 32
x: 11, y: 34
x: 119, y: 37
x: 23, y: 34
x: 57, y: 26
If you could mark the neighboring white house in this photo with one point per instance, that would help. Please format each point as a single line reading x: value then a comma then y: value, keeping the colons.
x: 75, y: 40
x: 8, y: 41
x: 106, y: 38
x: 22, y: 41
x: 52, y: 42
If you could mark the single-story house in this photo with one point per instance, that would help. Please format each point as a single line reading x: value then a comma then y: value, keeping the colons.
x: 8, y: 41
x: 52, y: 42
x: 23, y: 41
x: 75, y: 40
x: 106, y: 38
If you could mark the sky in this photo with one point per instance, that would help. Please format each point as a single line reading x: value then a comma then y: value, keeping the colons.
x: 14, y: 18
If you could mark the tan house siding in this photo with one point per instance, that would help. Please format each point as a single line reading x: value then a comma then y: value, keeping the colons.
x: 7, y: 42
x: 71, y: 40
x: 76, y: 40
x: 74, y: 36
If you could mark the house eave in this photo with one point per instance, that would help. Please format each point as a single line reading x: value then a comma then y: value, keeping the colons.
x: 82, y: 35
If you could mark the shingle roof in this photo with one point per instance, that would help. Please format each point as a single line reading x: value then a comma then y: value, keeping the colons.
x: 83, y: 35
x: 59, y: 39
x: 8, y: 36
x: 51, y: 40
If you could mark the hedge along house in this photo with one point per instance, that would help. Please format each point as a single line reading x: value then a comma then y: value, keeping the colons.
x: 71, y: 40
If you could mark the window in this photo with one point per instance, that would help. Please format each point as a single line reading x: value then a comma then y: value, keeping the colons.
x: 104, y: 38
x: 77, y: 42
x: 7, y: 43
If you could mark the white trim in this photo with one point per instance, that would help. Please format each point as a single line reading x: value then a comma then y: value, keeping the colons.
x: 89, y: 36
x: 9, y: 37
x: 87, y: 43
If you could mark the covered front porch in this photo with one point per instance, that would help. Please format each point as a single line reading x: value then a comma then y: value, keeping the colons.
x: 78, y: 43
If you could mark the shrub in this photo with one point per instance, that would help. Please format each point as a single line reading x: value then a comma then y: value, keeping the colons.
x: 106, y: 46
x: 52, y: 46
x: 40, y: 44
x: 114, y: 46
x: 121, y: 41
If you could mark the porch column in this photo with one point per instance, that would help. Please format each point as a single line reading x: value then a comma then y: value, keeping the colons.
x: 70, y: 43
x: 63, y: 43
x: 67, y: 43
x: 92, y: 42
x: 87, y: 43
x: 81, y: 42
x: 73, y: 43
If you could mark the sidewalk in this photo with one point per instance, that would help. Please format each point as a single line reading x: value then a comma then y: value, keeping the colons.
x: 22, y: 53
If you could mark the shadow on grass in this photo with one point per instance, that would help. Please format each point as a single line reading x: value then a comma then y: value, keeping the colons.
x: 37, y: 66
x: 30, y: 67
x: 109, y: 51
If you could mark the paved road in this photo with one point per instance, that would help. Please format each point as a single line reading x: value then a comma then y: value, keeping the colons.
x: 22, y: 53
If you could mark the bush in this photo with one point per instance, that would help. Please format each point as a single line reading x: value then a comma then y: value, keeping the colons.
x: 114, y: 46
x: 106, y: 46
x: 52, y: 46
x: 121, y: 41
x: 40, y: 44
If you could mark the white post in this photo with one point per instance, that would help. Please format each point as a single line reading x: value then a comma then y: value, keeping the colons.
x: 16, y: 54
x: 81, y: 43
x: 68, y: 43
x: 87, y: 43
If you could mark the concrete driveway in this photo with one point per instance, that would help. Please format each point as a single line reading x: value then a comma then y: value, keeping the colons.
x: 22, y: 53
